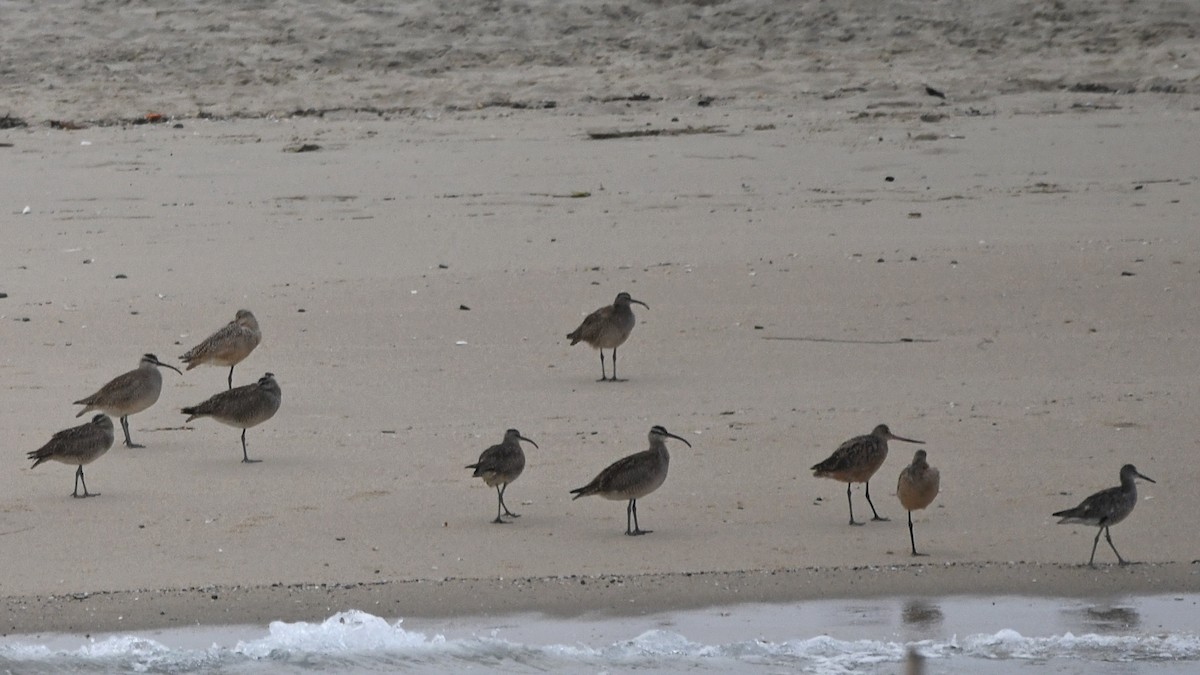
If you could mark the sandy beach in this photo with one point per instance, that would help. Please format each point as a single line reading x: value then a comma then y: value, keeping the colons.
x: 1009, y: 271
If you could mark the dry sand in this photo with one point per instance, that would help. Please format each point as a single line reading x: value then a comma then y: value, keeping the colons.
x: 1011, y: 274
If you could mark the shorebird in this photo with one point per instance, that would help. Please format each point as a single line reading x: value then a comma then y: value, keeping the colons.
x: 243, y: 407
x: 633, y: 477
x: 228, y: 346
x: 1106, y: 508
x: 78, y: 445
x: 500, y: 465
x: 128, y: 393
x: 917, y: 487
x: 856, y: 460
x: 608, y: 328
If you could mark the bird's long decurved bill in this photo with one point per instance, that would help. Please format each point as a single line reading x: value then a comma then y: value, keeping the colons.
x: 522, y: 438
x: 679, y: 438
x: 647, y: 307
x: 167, y: 365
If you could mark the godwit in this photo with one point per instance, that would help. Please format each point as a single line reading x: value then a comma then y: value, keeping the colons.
x: 78, y: 445
x: 228, y: 346
x: 128, y: 393
x: 917, y: 487
x: 500, y: 465
x: 1106, y: 508
x: 856, y: 460
x: 243, y: 407
x: 608, y: 328
x: 634, y: 477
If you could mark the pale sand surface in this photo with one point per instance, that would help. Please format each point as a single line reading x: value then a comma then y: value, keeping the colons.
x: 1050, y: 286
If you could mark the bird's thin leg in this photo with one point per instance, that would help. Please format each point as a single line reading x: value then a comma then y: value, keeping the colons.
x: 636, y: 529
x: 1108, y: 538
x: 911, y: 538
x: 231, y: 377
x: 1094, y: 542
x: 877, y: 516
x: 125, y: 427
x: 506, y: 511
x: 614, y: 377
x: 851, y: 503
x: 246, y: 458
x: 499, y: 503
x: 603, y: 373
x: 79, y: 479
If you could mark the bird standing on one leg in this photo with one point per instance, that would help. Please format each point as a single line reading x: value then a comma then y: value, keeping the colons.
x: 1106, y: 508
x: 128, y: 393
x: 79, y: 445
x: 608, y: 328
x: 916, y: 488
x: 856, y: 460
x: 500, y: 465
x: 228, y: 346
x: 634, y: 477
x: 243, y: 407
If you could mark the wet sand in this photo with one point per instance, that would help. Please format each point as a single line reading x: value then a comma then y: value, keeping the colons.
x: 570, y: 596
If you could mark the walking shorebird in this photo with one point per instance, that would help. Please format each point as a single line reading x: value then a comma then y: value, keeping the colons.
x: 1106, y: 508
x: 917, y: 487
x: 228, y: 346
x: 500, y: 465
x: 128, y: 393
x: 634, y: 477
x: 856, y: 460
x: 608, y: 328
x: 78, y: 445
x: 243, y: 407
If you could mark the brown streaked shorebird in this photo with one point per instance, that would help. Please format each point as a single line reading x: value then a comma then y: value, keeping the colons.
x: 1106, y: 508
x: 500, y: 465
x: 78, y: 445
x: 856, y: 460
x: 128, y: 393
x: 228, y: 346
x: 242, y: 407
x: 916, y: 488
x: 608, y: 328
x: 634, y: 477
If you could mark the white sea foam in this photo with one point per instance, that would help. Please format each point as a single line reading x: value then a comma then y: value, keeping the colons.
x: 356, y: 641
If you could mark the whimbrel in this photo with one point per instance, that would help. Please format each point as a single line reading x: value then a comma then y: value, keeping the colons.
x: 856, y: 460
x: 243, y: 407
x: 128, y: 393
x: 916, y: 488
x: 78, y: 445
x: 228, y: 346
x: 1106, y: 508
x: 634, y: 477
x: 608, y: 328
x: 500, y: 465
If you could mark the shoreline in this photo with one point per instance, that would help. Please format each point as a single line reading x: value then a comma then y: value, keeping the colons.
x: 571, y: 596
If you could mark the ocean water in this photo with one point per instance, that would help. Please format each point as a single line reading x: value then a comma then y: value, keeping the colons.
x: 1129, y: 635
